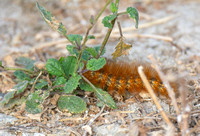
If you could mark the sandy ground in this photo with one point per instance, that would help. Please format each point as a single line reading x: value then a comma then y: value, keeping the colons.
x: 168, y: 30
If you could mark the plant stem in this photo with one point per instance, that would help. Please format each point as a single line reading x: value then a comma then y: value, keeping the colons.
x: 106, y: 39
x: 68, y: 39
x: 117, y: 3
x: 22, y: 69
x: 108, y: 33
x: 120, y: 29
x: 86, y: 80
x: 96, y: 19
x: 91, y: 25
x: 87, y: 33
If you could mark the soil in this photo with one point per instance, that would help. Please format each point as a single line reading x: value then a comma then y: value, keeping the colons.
x: 169, y: 30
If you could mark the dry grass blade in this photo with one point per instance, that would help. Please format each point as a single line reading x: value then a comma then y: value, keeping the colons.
x: 159, y: 37
x: 167, y: 85
x: 183, y: 120
x: 153, y: 96
x: 149, y: 24
x: 49, y: 44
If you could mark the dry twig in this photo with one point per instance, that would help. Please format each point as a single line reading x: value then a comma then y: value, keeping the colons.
x: 92, y: 120
x: 153, y: 96
x: 166, y: 84
x: 183, y: 118
x: 33, y: 86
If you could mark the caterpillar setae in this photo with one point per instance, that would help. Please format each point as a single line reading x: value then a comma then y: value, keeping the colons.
x: 124, y: 78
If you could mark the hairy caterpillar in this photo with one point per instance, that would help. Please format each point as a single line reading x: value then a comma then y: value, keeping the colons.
x: 124, y: 78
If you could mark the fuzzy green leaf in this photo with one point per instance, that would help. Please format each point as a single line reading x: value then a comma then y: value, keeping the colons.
x: 72, y: 84
x: 75, y: 37
x: 0, y: 63
x: 72, y: 50
x: 133, y: 13
x: 35, y: 100
x: 92, y: 51
x: 81, y: 66
x: 60, y: 81
x: 7, y: 98
x: 21, y: 86
x: 73, y: 104
x: 21, y: 75
x: 23, y: 61
x: 107, y: 20
x: 85, y: 86
x: 95, y: 64
x: 100, y: 104
x: 54, y: 67
x: 106, y: 98
x: 91, y: 37
x: 61, y: 29
x: 113, y: 7
x: 69, y: 64
x: 13, y: 102
x: 33, y: 103
x: 86, y: 55
x: 51, y: 20
x: 41, y: 84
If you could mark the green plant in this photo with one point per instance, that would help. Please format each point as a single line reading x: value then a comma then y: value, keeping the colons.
x: 65, y: 74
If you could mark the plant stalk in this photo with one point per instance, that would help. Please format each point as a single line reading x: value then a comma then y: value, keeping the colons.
x: 106, y: 39
x: 22, y: 69
x: 108, y: 33
x: 87, y: 33
x: 120, y: 29
x: 96, y: 19
x: 86, y: 80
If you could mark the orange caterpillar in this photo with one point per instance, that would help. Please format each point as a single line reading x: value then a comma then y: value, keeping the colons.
x: 124, y: 78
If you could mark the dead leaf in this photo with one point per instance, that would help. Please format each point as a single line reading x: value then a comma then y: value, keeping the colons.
x: 121, y: 49
x: 35, y: 116
x: 54, y: 99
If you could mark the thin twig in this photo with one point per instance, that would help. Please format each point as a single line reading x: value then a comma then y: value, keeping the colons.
x: 185, y: 109
x: 120, y: 29
x: 33, y: 86
x: 93, y: 119
x: 153, y: 96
